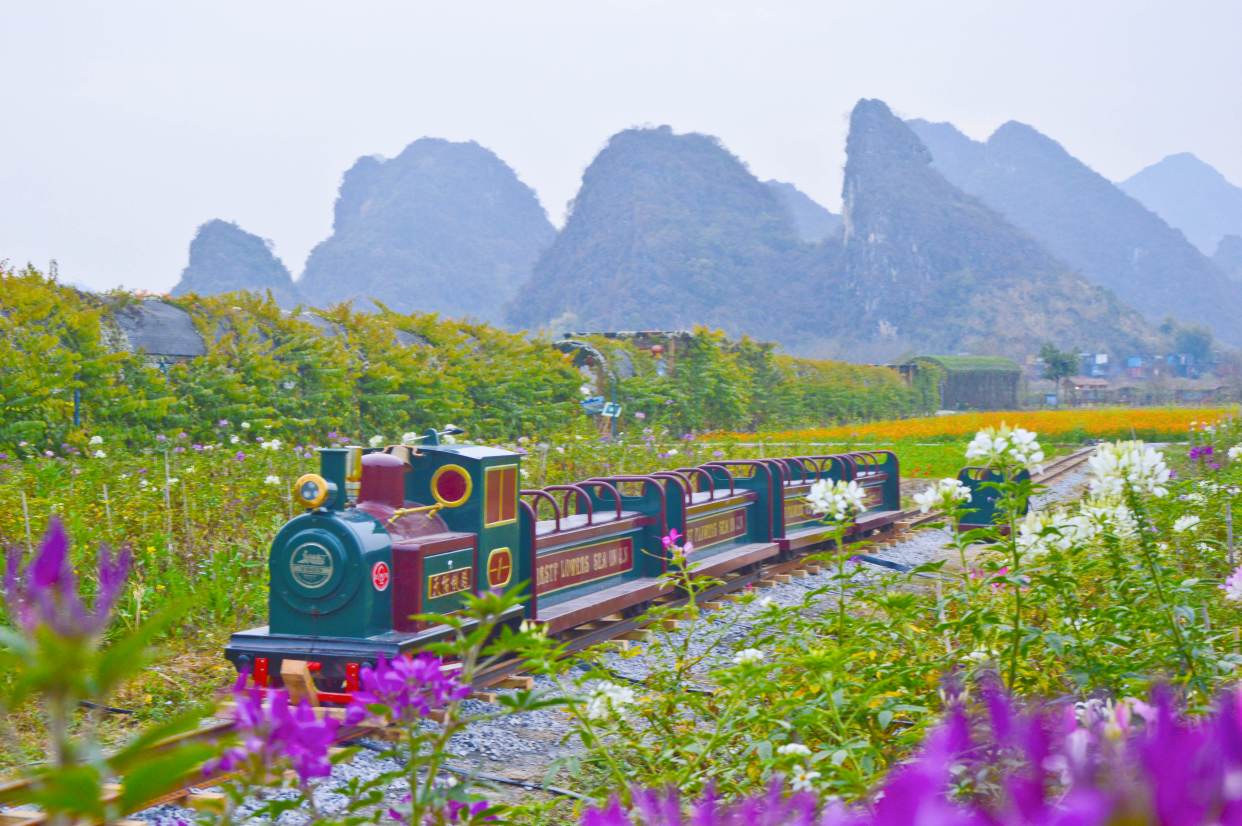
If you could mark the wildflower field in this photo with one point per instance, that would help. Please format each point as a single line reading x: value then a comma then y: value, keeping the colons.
x: 1153, y: 424
x: 1026, y: 675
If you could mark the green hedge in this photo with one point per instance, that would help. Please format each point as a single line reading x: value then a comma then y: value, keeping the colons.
x: 385, y: 373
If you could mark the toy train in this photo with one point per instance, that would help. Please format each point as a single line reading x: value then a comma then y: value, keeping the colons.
x: 432, y: 523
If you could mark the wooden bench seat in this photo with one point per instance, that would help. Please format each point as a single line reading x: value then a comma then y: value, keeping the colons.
x: 595, y: 604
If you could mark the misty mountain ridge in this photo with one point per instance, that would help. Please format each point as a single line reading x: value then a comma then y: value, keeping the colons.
x: 671, y: 229
x: 812, y: 221
x: 225, y: 258
x: 928, y: 267
x: 1191, y: 196
x: 943, y: 245
x: 442, y: 227
x: 667, y: 230
x: 1087, y: 222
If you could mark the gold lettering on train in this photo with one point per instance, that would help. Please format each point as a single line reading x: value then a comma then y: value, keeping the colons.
x: 564, y: 569
x: 717, y: 528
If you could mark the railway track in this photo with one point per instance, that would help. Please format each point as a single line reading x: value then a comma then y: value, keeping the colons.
x: 506, y: 674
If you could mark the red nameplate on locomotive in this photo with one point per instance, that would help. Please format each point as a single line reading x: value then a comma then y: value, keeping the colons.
x: 712, y: 530
x: 575, y: 566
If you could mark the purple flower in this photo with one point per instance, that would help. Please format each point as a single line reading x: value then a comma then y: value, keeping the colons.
x: 241, y: 457
x: 222, y: 423
x: 183, y: 435
x: 197, y: 447
x: 276, y: 730
x: 160, y: 437
x: 46, y: 592
x: 410, y: 687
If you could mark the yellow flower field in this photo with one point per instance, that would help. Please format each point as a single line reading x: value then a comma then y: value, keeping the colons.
x: 1149, y: 423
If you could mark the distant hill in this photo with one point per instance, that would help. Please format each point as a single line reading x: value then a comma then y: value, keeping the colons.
x: 1088, y: 223
x: 672, y: 230
x: 812, y: 221
x: 667, y: 230
x: 1229, y: 256
x: 225, y: 258
x: 1191, y: 196
x: 929, y: 268
x: 443, y: 227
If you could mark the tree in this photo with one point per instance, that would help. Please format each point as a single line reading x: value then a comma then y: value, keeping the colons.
x: 1059, y: 365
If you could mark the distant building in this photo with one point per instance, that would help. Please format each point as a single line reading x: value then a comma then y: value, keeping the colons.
x: 969, y: 382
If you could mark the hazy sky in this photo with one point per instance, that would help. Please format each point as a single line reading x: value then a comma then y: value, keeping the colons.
x: 128, y: 124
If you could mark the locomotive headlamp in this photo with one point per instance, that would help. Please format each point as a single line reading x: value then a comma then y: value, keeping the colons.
x: 312, y: 490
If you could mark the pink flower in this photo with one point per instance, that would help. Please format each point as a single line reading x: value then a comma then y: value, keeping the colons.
x: 671, y: 539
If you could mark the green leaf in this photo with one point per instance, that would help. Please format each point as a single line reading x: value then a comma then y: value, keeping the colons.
x: 161, y: 772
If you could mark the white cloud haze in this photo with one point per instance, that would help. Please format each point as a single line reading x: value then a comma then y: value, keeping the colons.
x: 128, y: 124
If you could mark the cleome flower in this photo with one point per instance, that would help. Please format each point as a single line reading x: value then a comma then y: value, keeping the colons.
x: 96, y: 440
x: 1185, y: 523
x: 945, y: 495
x: 376, y: 440
x: 1006, y: 449
x: 1118, y: 466
x: 794, y: 750
x: 838, y: 500
x: 607, y: 700
x: 748, y: 656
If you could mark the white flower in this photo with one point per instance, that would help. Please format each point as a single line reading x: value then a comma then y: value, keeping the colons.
x: 747, y: 656
x: 99, y: 454
x: 836, y: 499
x: 1185, y: 523
x: 245, y: 425
x: 794, y: 749
x: 172, y: 480
x: 274, y: 444
x: 585, y: 390
x: 272, y: 480
x: 672, y: 451
x: 188, y: 470
x: 1116, y: 466
x: 234, y: 439
x: 446, y: 438
x: 607, y: 699
x: 96, y: 440
x: 1235, y: 453
x: 1006, y: 448
x: 1106, y: 515
x: 410, y: 438
x: 765, y: 603
x: 979, y: 655
x: 802, y: 779
x: 942, y: 496
x: 376, y: 440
